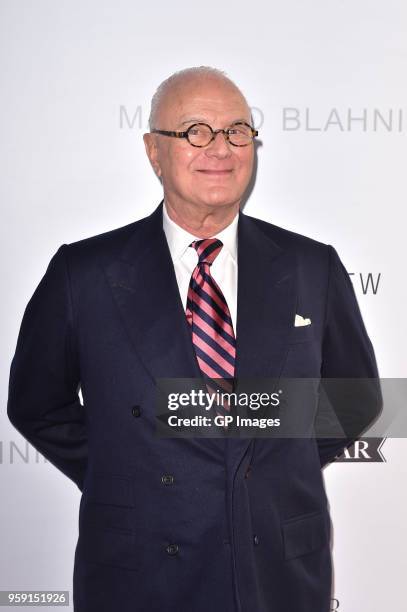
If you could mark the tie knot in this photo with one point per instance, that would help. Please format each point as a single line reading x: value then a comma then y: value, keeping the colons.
x: 208, y: 249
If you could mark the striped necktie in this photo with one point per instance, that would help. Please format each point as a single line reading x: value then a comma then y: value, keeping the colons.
x: 211, y: 324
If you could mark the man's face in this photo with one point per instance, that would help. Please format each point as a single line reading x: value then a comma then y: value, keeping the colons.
x: 213, y: 176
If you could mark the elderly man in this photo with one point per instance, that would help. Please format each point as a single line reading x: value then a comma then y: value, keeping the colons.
x: 196, y: 288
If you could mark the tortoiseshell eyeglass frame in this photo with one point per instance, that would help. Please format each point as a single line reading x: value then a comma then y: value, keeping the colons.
x: 214, y: 132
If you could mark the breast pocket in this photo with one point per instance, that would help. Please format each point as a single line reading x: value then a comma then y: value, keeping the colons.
x: 303, y: 356
x: 301, y: 333
x: 305, y: 534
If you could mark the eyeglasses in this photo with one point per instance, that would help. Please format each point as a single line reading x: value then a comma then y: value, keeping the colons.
x: 239, y: 134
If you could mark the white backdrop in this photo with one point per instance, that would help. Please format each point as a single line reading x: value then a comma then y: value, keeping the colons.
x: 76, y: 81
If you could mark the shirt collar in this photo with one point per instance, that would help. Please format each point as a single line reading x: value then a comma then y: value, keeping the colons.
x: 179, y: 239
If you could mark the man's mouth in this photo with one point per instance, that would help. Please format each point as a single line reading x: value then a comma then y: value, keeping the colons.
x: 216, y: 172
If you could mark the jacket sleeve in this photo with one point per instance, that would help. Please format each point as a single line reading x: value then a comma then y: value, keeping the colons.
x: 43, y: 402
x: 350, y: 387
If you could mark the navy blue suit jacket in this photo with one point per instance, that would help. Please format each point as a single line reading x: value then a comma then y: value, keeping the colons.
x: 185, y: 525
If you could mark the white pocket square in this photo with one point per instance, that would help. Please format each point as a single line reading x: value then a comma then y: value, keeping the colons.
x: 300, y: 321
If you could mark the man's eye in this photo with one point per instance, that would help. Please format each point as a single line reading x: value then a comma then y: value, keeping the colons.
x: 237, y: 130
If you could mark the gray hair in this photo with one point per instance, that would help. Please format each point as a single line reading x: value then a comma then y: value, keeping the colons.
x: 176, y: 77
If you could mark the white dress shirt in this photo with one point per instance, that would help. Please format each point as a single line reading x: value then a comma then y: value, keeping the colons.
x: 223, y: 269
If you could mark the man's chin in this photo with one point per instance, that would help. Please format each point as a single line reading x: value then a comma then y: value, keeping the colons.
x: 220, y: 198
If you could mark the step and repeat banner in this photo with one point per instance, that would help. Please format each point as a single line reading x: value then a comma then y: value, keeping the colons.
x: 326, y: 86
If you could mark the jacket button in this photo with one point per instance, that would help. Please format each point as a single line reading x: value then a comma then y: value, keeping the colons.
x: 247, y: 473
x: 135, y: 411
x: 255, y: 540
x: 172, y: 549
x: 167, y: 479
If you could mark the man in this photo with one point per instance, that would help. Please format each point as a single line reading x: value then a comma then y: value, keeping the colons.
x: 195, y: 288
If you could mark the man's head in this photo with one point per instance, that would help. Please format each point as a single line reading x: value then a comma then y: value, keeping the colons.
x: 203, y: 178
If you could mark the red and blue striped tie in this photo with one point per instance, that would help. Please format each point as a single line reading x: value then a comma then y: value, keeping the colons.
x: 211, y: 324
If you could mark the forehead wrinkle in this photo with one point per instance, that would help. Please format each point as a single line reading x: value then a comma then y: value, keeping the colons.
x: 208, y: 122
x: 217, y: 103
x: 202, y: 112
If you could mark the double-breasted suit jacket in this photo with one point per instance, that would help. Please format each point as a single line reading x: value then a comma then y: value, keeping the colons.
x: 184, y: 525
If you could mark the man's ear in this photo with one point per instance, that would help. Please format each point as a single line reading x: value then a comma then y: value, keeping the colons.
x: 152, y: 151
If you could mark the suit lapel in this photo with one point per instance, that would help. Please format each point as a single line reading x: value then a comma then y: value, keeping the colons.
x: 266, y: 301
x: 146, y: 292
x: 145, y: 288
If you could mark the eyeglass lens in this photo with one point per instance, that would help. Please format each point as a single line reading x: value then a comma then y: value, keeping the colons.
x: 201, y: 134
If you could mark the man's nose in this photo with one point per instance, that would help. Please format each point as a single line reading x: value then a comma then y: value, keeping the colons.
x: 219, y: 147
